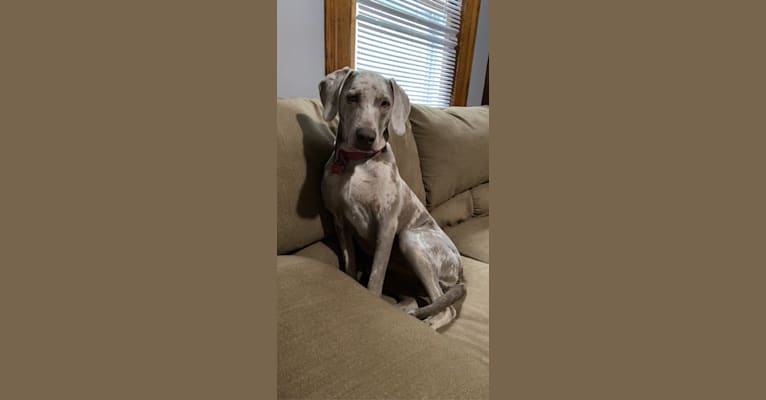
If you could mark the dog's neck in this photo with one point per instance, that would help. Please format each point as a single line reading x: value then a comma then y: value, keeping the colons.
x: 342, y: 157
x: 358, y: 155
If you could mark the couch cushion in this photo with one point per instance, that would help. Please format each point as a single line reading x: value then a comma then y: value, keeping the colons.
x: 304, y: 143
x: 480, y: 195
x: 337, y: 340
x: 324, y: 251
x: 453, y: 144
x: 327, y: 251
x: 408, y: 161
x: 454, y: 210
x: 471, y: 327
x: 471, y: 237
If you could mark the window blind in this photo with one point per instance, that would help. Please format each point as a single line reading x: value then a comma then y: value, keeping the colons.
x: 412, y: 41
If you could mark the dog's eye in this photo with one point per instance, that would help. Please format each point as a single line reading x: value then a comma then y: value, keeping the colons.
x: 352, y: 98
x: 385, y: 103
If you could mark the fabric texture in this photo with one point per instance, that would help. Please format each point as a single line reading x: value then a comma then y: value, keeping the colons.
x: 454, y: 210
x: 337, y: 340
x: 471, y: 238
x: 453, y: 144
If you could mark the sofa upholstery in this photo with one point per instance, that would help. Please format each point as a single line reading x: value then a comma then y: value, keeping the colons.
x: 336, y: 340
x: 370, y: 350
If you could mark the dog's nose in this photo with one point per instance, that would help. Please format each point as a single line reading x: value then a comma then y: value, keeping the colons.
x: 365, y: 136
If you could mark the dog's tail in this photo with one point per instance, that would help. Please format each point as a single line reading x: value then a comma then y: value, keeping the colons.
x: 452, y: 295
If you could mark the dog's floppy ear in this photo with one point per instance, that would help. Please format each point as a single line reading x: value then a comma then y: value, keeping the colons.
x: 329, y: 91
x: 400, y: 109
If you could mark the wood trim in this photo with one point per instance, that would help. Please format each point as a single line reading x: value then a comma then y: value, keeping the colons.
x: 339, y: 34
x: 485, y: 96
x: 469, y: 21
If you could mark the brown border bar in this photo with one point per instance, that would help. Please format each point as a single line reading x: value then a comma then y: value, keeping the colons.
x: 137, y: 167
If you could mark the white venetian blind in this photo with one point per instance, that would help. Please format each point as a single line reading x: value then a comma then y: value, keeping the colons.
x: 412, y: 41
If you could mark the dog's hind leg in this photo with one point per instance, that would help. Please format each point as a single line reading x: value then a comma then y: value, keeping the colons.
x: 424, y: 260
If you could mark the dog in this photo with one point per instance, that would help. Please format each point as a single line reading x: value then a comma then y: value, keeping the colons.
x: 369, y: 201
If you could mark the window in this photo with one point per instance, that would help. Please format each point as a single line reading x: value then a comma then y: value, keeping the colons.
x: 426, y: 45
x: 415, y: 44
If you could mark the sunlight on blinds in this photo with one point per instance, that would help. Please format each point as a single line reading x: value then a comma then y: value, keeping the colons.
x: 412, y: 41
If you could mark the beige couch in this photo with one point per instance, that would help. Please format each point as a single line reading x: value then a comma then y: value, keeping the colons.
x: 335, y: 339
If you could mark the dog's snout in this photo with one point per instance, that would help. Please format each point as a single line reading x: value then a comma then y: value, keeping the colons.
x: 365, y: 136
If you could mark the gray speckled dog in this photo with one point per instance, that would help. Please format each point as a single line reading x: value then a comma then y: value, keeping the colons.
x: 368, y: 199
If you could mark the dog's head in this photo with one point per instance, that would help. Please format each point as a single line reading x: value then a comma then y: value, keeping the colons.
x: 370, y: 106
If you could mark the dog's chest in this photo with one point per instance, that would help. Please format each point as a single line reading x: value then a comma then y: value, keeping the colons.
x: 369, y: 195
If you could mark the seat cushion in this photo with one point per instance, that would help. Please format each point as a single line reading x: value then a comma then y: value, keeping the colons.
x: 325, y: 251
x: 337, y: 340
x: 471, y: 327
x: 471, y: 237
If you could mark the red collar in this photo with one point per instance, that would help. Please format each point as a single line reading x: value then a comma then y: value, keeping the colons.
x: 342, y: 156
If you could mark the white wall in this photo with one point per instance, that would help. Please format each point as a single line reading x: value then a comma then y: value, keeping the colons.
x: 300, y: 47
x: 480, y: 52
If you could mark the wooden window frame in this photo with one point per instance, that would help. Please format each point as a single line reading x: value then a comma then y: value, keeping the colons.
x: 340, y: 42
x: 485, y: 95
x: 339, y: 34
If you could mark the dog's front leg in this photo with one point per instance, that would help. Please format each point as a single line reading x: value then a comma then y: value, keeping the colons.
x: 346, y: 242
x: 383, y: 246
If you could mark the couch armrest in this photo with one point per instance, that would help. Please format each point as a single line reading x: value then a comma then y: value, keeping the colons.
x: 337, y: 340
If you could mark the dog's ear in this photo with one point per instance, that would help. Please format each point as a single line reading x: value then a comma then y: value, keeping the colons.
x: 329, y: 91
x: 400, y: 109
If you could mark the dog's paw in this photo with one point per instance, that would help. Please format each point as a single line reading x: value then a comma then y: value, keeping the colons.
x: 408, y: 305
x: 441, y: 319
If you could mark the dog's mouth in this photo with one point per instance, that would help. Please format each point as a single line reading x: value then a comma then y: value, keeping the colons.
x: 357, y: 149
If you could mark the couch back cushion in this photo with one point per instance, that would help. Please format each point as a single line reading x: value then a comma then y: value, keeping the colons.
x: 455, y: 210
x: 304, y: 144
x: 464, y: 205
x: 408, y: 161
x: 453, y: 145
x: 480, y: 196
